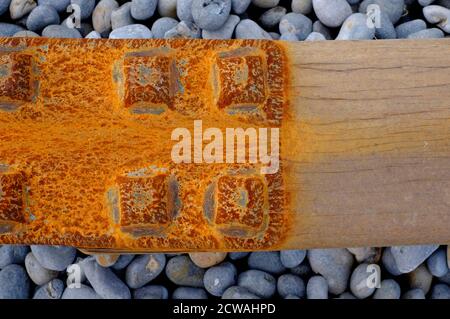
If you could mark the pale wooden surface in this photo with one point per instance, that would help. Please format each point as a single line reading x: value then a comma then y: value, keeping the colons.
x: 368, y: 147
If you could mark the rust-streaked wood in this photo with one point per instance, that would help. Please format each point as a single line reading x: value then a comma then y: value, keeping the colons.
x: 365, y: 144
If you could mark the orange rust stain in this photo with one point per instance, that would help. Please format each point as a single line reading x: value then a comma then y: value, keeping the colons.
x: 85, y: 130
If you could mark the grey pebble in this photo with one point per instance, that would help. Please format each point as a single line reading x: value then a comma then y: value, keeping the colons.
x: 272, y: 17
x: 93, y: 35
x: 332, y: 13
x: 359, y: 282
x: 248, y: 29
x: 151, y: 292
x: 60, y: 31
x: 365, y: 254
x: 275, y: 35
x: 184, y: 11
x: 82, y: 292
x: 4, y: 5
x: 433, y: 33
x: 238, y: 255
x: 162, y: 25
x: 407, y: 28
x: 12, y: 254
x: 101, y: 16
x: 258, y: 282
x: 219, y: 278
x: 14, y: 283
x: 105, y: 283
x: 59, y: 5
x: 414, y: 294
x: 210, y: 14
x: 289, y: 284
x: 296, y: 23
x: 132, y: 31
x: 320, y: 28
x: 189, y: 293
x: 420, y: 278
x: 184, y: 30
x: 440, y: 291
x: 237, y: 292
x: 42, y: 16
x: 437, y: 263
x: 302, y: 6
x: 408, y: 258
x: 356, y: 28
x: 288, y: 36
x: 240, y: 6
x: 26, y: 34
x: 143, y: 9
x: 144, y: 269
x: 315, y: 36
x: 317, y: 288
x: 38, y: 274
x: 121, y: 16
x: 225, y: 32
x: 51, y: 290
x: 389, y: 262
x: 54, y: 257
x: 333, y: 264
x: 20, y: 8
x: 386, y: 29
x: 389, y: 289
x: 346, y: 295
x: 440, y: 16
x: 86, y: 7
x: 265, y: 4
x: 123, y: 261
x: 445, y: 278
x: 183, y: 272
x: 268, y: 261
x: 302, y: 270
x: 167, y: 8
x: 393, y: 8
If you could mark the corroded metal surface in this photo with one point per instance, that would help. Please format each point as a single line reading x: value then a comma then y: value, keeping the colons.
x: 85, y: 130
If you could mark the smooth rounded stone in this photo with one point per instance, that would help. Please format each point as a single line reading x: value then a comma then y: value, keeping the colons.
x: 167, y: 8
x: 393, y: 8
x: 238, y: 255
x: 356, y: 28
x: 296, y: 23
x: 132, y: 31
x: 59, y: 5
x: 334, y: 265
x: 105, y: 283
x: 292, y: 258
x: 291, y: 297
x: 389, y: 289
x: 210, y: 14
x: 445, y: 278
x: 237, y: 292
x: 272, y: 17
x: 123, y: 261
x: 346, y: 295
x: 302, y: 270
x: 26, y: 34
x: 12, y: 254
x: 106, y: 260
x: 183, y: 272
x: 315, y: 36
x: 14, y: 282
x: 320, y: 28
x: 184, y: 11
x: 144, y: 269
x: 265, y: 4
x: 408, y: 258
x: 332, y: 13
x: 414, y: 294
x: 386, y: 29
x: 407, y: 28
x: 288, y: 36
x: 86, y: 7
x: 151, y: 292
x: 101, y: 16
x: 162, y: 25
x: 51, y: 290
x: 420, y: 278
x: 258, y: 282
x: 189, y: 293
x: 302, y: 6
x: 275, y: 36
x: 83, y: 292
x: 38, y: 274
x: 289, y: 284
x: 60, y: 31
x: 225, y: 32
x: 366, y: 254
x: 443, y: 3
x: 54, y: 257
x: 184, y: 30
x: 20, y: 8
x: 424, y: 3
x: 440, y: 291
x: 438, y: 15
x: 42, y: 16
x: 266, y: 261
x: 248, y: 29
x: 437, y: 263
x: 433, y: 33
x: 121, y: 16
x: 219, y: 278
x: 240, y: 6
x: 205, y: 260
x: 142, y: 9
x: 4, y: 5
x: 359, y: 282
x: 317, y: 288
x: 389, y: 262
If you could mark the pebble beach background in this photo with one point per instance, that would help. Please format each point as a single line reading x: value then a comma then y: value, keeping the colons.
x: 408, y: 272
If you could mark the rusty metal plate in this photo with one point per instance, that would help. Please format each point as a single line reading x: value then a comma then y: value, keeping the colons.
x: 86, y: 144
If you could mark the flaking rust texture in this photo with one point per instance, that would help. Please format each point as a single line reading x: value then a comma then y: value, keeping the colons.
x: 85, y: 144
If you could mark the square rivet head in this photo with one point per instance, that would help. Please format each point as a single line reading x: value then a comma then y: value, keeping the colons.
x: 148, y: 204
x: 16, y: 80
x: 149, y: 82
x: 11, y: 197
